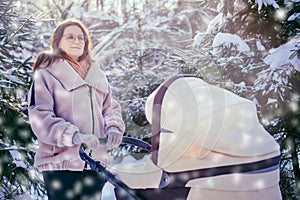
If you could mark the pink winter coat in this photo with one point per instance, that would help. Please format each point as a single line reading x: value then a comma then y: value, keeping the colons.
x: 61, y: 103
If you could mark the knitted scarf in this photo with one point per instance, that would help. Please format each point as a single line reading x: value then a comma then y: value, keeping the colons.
x: 80, y: 67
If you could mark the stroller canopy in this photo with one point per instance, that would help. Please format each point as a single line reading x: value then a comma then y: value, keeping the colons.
x: 186, y: 112
x: 201, y: 136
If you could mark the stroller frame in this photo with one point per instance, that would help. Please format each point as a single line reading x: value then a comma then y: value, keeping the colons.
x: 98, y: 167
x: 171, y: 183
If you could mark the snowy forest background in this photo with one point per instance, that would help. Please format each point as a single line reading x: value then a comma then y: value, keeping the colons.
x: 250, y: 47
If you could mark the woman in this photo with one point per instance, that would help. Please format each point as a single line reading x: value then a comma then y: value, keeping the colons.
x: 70, y: 103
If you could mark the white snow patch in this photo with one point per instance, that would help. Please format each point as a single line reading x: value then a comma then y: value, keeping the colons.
x: 17, y: 158
x: 260, y: 46
x: 271, y: 100
x: 294, y: 16
x: 283, y: 55
x: 228, y: 39
x: 198, y: 39
x: 215, y: 24
x: 265, y: 3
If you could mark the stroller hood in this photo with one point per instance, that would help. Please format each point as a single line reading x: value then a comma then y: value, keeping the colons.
x: 192, y: 113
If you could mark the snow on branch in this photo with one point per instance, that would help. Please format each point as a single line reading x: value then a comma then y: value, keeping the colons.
x: 260, y: 3
x: 286, y: 54
x: 228, y: 39
x: 295, y: 16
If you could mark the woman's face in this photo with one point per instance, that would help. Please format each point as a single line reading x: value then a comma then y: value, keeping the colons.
x: 72, y: 42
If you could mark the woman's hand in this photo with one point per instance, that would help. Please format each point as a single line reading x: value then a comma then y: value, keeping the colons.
x: 90, y: 140
x: 114, y: 137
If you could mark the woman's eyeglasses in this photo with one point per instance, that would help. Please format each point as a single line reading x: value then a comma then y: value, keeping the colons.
x: 72, y: 38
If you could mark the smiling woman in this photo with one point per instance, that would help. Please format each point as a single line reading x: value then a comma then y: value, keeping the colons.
x: 70, y: 103
x: 72, y: 42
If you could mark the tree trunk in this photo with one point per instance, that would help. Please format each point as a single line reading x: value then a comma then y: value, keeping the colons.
x: 124, y: 9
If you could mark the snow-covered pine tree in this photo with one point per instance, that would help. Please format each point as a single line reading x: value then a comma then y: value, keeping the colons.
x: 277, y: 88
x: 253, y: 49
x: 17, y: 175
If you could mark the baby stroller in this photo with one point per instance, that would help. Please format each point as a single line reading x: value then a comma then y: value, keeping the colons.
x: 207, y: 143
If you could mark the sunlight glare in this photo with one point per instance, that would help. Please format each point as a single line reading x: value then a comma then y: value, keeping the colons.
x: 281, y: 14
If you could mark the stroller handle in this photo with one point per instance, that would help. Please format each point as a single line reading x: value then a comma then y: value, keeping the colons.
x: 127, y: 140
x: 99, y: 168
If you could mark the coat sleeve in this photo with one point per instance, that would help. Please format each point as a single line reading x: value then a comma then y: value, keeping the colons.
x: 112, y: 113
x: 48, y: 128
